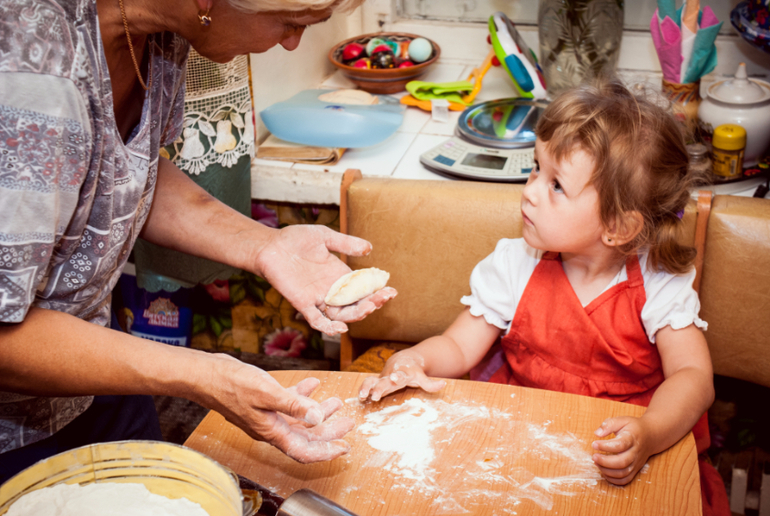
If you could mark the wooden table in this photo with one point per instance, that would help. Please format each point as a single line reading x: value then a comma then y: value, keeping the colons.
x: 473, y: 448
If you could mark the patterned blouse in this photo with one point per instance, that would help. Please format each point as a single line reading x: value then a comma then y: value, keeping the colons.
x: 73, y: 196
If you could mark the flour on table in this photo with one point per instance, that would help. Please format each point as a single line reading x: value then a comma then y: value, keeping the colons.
x: 404, y: 431
x: 408, y: 438
x: 107, y: 498
x: 566, y: 444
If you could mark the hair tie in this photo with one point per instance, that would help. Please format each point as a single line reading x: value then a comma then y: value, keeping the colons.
x: 680, y: 214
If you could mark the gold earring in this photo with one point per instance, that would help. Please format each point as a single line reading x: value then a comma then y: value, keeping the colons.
x: 204, y: 17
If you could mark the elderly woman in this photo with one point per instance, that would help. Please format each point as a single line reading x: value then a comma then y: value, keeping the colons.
x: 89, y: 92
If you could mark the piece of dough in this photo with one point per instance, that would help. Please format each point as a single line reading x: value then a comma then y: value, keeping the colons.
x: 358, y: 97
x: 355, y: 286
x: 116, y: 499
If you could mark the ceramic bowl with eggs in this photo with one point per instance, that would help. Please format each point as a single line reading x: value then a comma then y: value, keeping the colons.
x: 384, y: 62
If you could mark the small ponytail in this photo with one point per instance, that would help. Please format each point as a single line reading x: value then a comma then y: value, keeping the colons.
x: 665, y: 251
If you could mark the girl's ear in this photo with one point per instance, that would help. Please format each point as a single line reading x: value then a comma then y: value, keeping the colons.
x: 623, y: 229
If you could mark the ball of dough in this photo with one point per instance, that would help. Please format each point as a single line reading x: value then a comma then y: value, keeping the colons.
x: 355, y: 286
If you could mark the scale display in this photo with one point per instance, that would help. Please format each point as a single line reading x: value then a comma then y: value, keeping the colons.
x: 484, y: 161
x: 460, y: 158
x: 495, y: 141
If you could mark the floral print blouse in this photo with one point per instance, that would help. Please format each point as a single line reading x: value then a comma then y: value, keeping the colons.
x: 73, y: 196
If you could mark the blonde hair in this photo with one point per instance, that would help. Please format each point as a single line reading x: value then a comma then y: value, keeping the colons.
x: 641, y: 163
x: 255, y: 6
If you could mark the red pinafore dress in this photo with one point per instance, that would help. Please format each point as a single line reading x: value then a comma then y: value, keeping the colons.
x: 599, y: 350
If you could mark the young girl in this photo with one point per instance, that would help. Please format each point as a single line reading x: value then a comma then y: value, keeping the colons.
x: 596, y: 298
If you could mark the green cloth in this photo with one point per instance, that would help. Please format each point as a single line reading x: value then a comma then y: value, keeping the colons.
x: 451, y: 91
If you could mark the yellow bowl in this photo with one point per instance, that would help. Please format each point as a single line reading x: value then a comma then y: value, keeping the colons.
x: 387, y: 80
x: 165, y: 469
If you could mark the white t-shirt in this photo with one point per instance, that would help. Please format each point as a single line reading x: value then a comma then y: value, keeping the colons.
x: 499, y: 280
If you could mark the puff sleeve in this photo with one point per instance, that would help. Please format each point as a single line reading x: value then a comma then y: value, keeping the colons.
x: 671, y: 301
x: 498, y: 281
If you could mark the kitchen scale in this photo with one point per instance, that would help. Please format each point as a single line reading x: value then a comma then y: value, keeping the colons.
x: 494, y: 141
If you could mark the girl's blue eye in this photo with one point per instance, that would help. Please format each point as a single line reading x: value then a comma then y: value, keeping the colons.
x: 557, y: 187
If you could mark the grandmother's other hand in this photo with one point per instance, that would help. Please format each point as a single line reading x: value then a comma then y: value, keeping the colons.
x: 404, y: 369
x: 288, y: 419
x: 297, y: 261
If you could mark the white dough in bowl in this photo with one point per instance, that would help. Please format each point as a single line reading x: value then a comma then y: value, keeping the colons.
x: 106, y: 498
x: 355, y: 286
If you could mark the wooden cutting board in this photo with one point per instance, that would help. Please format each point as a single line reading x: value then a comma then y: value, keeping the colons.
x: 473, y: 448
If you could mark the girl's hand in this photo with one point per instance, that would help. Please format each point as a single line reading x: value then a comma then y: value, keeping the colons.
x: 404, y: 369
x: 626, y: 453
x: 297, y: 261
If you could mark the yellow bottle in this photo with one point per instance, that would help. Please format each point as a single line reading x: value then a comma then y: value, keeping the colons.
x: 728, y: 144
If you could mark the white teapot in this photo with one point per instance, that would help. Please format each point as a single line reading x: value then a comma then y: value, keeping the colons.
x: 741, y: 101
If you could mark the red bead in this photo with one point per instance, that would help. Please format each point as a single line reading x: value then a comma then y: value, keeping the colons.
x: 495, y: 61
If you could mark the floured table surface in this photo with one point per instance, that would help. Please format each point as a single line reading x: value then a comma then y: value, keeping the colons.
x: 472, y: 448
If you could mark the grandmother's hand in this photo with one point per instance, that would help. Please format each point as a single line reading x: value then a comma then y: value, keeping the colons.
x: 297, y: 261
x: 288, y: 419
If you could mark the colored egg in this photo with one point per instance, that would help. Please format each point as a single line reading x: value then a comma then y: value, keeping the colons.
x: 403, y: 50
x: 394, y: 46
x: 405, y: 64
x: 374, y: 43
x: 383, y: 59
x: 420, y: 50
x: 362, y: 63
x: 352, y: 51
x: 381, y: 48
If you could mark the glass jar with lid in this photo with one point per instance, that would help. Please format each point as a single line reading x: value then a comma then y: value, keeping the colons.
x: 700, y: 165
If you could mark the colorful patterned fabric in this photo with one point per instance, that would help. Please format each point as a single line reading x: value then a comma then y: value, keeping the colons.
x: 246, y: 314
x: 73, y: 196
x: 373, y: 359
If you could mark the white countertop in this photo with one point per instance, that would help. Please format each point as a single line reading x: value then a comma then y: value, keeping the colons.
x: 398, y: 156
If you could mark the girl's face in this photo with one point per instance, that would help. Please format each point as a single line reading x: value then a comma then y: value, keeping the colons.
x: 559, y: 207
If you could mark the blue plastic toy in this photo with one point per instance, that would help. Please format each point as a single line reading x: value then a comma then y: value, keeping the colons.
x: 516, y: 57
